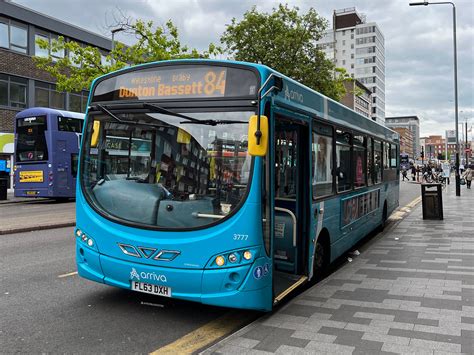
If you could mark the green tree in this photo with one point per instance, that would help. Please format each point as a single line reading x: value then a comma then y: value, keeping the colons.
x: 286, y: 41
x: 77, y: 70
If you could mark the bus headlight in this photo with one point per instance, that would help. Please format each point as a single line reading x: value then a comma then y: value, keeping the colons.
x: 78, y: 233
x: 220, y: 260
x: 232, y: 258
x: 247, y: 255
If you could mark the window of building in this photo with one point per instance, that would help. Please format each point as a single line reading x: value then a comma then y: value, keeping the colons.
x: 13, y: 35
x: 322, y: 161
x: 50, y: 38
x: 78, y: 101
x: 352, y: 55
x: 343, y: 42
x: 13, y: 91
x: 343, y: 62
x: 47, y: 96
x: 343, y: 161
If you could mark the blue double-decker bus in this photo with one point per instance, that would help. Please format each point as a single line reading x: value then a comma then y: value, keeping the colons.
x: 47, y: 145
x: 224, y: 183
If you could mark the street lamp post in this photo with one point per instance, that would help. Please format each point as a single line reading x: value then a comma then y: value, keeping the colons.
x: 114, y: 31
x: 456, y: 171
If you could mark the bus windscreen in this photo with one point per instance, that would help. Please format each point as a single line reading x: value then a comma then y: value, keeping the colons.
x: 178, y: 82
x: 31, y: 140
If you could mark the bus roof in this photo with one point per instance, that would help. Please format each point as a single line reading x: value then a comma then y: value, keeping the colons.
x: 38, y: 111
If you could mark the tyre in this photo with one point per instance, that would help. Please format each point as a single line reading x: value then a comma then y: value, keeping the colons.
x: 321, y: 259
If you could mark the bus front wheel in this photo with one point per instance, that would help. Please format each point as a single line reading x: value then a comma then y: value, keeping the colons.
x: 321, y: 257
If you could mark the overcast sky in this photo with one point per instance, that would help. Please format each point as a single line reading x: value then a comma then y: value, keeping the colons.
x: 418, y: 42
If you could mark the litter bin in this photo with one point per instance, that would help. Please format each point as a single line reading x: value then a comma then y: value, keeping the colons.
x: 432, y: 201
x: 3, y: 186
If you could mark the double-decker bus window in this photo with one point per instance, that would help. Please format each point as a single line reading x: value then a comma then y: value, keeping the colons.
x: 322, y: 161
x: 67, y: 124
x: 377, y: 162
x: 31, y: 139
x: 370, y: 161
x: 343, y: 161
x: 359, y: 160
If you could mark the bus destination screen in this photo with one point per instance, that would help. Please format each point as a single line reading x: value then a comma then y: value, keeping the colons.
x: 178, y: 82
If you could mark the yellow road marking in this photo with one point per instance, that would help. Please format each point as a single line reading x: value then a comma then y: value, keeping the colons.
x: 207, y: 334
x: 67, y: 275
x: 414, y: 202
x: 289, y: 289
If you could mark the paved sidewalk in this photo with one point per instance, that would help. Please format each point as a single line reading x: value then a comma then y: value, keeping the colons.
x: 34, y: 215
x: 12, y: 199
x: 411, y: 291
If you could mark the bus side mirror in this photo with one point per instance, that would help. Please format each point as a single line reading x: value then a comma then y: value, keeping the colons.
x: 258, y: 149
x: 95, y: 134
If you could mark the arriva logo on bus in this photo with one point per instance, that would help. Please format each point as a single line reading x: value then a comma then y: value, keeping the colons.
x: 147, y: 276
x: 292, y: 95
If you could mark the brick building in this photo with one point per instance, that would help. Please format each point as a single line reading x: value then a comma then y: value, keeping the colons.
x: 22, y: 85
x: 406, y: 141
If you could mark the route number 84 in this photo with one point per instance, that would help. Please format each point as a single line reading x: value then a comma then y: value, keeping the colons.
x: 241, y: 236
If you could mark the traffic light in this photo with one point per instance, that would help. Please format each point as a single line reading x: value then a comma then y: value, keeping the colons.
x: 422, y: 154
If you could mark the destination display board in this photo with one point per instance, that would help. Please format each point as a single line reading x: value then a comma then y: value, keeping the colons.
x: 178, y: 82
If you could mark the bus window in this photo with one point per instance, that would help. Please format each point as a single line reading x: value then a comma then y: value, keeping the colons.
x: 67, y: 124
x: 370, y: 161
x: 31, y: 139
x: 386, y: 156
x: 377, y: 162
x: 359, y: 160
x: 393, y: 156
x: 322, y: 161
x: 343, y: 161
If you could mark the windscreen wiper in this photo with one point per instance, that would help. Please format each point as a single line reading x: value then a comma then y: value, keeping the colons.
x: 189, y: 120
x: 214, y: 122
x: 99, y: 107
x: 162, y: 110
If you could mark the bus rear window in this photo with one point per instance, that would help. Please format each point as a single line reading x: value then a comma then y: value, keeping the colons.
x: 31, y: 142
x: 67, y: 124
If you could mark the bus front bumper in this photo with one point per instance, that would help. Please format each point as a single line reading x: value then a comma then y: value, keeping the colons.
x: 228, y: 287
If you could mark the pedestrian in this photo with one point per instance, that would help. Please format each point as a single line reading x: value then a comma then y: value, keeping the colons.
x: 468, y: 176
x: 461, y: 168
x: 404, y: 175
x: 413, y: 172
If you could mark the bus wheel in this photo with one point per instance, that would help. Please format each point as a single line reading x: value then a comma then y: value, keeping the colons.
x: 384, y: 217
x: 321, y: 258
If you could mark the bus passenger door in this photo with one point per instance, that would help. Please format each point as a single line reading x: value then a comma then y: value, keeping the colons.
x: 291, y: 203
